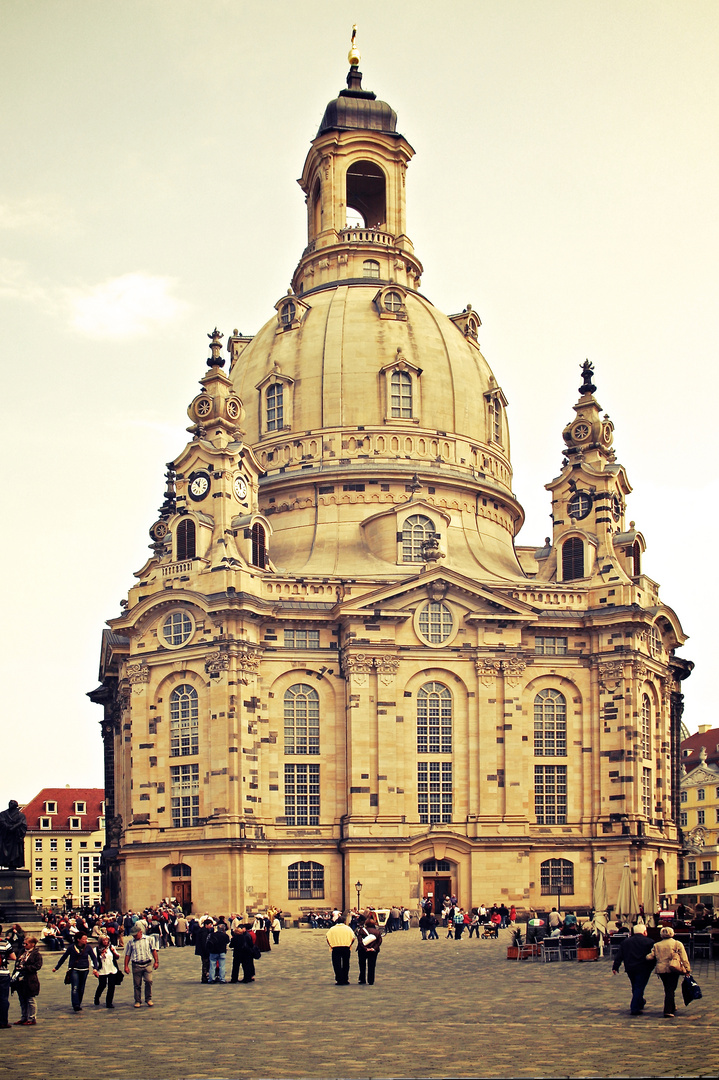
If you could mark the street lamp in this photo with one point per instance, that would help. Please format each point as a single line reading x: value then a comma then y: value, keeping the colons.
x: 358, y: 887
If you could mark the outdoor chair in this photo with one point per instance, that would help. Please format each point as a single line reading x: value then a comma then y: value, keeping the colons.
x: 568, y: 947
x: 702, y: 947
x: 530, y: 951
x: 550, y: 950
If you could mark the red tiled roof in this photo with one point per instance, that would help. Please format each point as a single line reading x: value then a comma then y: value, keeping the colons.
x: 66, y: 799
x: 709, y: 739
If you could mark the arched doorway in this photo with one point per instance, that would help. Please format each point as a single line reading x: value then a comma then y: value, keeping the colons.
x: 181, y: 886
x: 436, y: 882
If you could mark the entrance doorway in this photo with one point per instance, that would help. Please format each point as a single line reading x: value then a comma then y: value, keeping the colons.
x: 436, y: 882
x: 181, y: 886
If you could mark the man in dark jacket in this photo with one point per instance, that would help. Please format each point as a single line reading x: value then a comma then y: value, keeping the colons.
x: 243, y: 952
x: 633, y: 954
x: 202, y: 950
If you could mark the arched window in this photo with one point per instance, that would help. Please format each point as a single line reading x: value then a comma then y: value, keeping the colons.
x: 184, y: 721
x: 572, y: 559
x: 434, y: 719
x: 186, y: 540
x: 305, y: 881
x: 287, y: 313
x: 495, y: 420
x: 370, y: 268
x: 557, y: 876
x: 550, y: 724
x: 275, y: 409
x: 302, y: 720
x: 646, y: 726
x: 366, y: 193
x: 636, y: 559
x: 401, y: 393
x: 415, y: 531
x: 259, y: 546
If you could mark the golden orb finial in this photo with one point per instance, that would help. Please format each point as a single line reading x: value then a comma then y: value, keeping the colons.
x: 354, y: 54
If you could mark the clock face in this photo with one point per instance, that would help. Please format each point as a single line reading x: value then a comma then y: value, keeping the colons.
x: 199, y: 486
x: 240, y: 488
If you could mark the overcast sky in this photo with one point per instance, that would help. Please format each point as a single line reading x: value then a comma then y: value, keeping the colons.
x: 565, y: 185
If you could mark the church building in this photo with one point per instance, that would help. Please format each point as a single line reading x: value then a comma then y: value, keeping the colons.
x: 337, y: 672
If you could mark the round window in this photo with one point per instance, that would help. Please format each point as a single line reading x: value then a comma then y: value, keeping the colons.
x: 393, y: 301
x: 177, y: 629
x: 580, y: 505
x: 436, y: 623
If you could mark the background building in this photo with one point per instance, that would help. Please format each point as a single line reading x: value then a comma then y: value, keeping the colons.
x: 699, y: 807
x: 63, y: 847
x: 336, y: 666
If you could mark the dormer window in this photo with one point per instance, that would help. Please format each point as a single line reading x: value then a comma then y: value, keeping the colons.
x: 275, y: 407
x: 401, y: 385
x: 287, y: 313
x: 50, y: 806
x: 416, y: 531
x: 75, y: 823
x: 275, y: 403
x: 496, y: 403
x: 45, y: 823
x: 80, y: 808
x: 259, y: 546
x: 391, y: 302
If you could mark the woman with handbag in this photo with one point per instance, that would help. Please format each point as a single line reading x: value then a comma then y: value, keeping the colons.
x: 106, y: 972
x: 672, y: 961
x: 26, y: 982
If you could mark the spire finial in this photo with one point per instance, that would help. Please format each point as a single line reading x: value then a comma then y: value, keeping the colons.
x: 354, y: 54
x: 587, y: 386
x: 216, y: 348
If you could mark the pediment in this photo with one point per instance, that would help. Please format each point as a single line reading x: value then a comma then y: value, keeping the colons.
x: 702, y: 774
x: 482, y: 602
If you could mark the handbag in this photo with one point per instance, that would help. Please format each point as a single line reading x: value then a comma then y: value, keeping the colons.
x: 691, y: 990
x: 118, y: 976
x: 68, y: 977
x: 676, y: 963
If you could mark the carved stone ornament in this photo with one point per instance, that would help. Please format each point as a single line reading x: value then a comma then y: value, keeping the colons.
x: 696, y: 840
x: 387, y: 667
x: 357, y: 666
x: 640, y: 671
x: 611, y: 673
x: 512, y: 669
x: 487, y: 670
x: 217, y: 661
x: 138, y: 673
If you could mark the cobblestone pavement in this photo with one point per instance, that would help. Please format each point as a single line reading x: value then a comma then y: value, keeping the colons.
x: 438, y: 1009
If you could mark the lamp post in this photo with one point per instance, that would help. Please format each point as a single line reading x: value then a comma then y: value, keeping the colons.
x: 358, y: 887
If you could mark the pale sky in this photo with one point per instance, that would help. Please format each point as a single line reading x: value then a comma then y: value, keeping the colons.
x: 565, y: 185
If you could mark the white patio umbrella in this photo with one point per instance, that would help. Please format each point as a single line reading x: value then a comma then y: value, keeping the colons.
x: 712, y: 889
x: 649, y: 898
x: 627, y: 903
x: 599, y: 900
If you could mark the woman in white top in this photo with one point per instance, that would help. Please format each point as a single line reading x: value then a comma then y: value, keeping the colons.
x: 105, y: 971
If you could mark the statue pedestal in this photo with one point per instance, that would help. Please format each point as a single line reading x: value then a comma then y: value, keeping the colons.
x: 15, y: 902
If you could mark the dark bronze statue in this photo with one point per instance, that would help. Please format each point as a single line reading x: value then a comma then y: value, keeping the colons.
x: 13, y: 826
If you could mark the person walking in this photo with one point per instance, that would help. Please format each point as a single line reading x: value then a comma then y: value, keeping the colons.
x: 369, y: 941
x: 672, y: 961
x: 634, y: 954
x: 28, y: 963
x: 80, y: 956
x: 105, y: 971
x: 340, y: 940
x: 180, y: 931
x: 142, y: 953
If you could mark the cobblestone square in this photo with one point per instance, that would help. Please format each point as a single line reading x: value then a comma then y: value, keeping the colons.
x: 438, y: 1009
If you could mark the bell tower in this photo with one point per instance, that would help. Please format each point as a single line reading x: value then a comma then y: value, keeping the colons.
x: 354, y: 181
